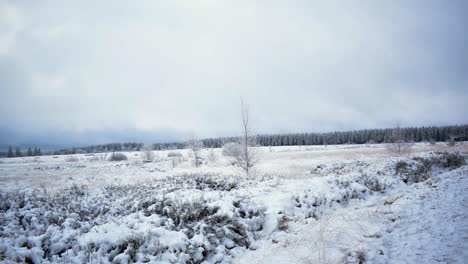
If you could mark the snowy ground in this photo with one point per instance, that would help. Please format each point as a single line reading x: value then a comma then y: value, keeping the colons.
x: 309, y: 204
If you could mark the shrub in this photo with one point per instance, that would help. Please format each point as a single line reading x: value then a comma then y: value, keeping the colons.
x: 93, y: 158
x: 117, y: 157
x: 355, y: 257
x: 451, y: 142
x: 215, y: 183
x: 372, y: 183
x: 147, y: 153
x: 71, y: 159
x: 443, y: 160
x: 414, y: 171
x: 454, y: 160
x: 231, y: 149
x: 174, y: 155
x: 283, y: 222
x: 399, y: 148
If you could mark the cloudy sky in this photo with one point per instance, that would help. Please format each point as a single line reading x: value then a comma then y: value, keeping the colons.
x: 99, y: 71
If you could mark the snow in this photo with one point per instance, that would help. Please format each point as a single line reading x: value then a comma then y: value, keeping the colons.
x: 431, y: 224
x: 308, y: 204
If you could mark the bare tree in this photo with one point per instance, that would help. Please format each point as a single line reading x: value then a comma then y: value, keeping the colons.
x: 212, y: 156
x: 196, y: 146
x: 147, y: 153
x: 247, y: 157
x: 398, y: 145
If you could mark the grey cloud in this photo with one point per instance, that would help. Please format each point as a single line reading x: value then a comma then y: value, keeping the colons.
x: 181, y: 66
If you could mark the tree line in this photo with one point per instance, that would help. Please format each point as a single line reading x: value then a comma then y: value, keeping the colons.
x: 363, y: 136
x: 19, y: 153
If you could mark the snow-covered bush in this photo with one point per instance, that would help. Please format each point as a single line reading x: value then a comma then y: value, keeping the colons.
x: 355, y: 257
x: 174, y: 155
x: 413, y: 171
x: 147, y: 153
x: 71, y: 158
x: 116, y: 156
x: 93, y: 158
x: 419, y: 169
x: 453, y: 160
x: 372, y: 182
x: 338, y: 191
x: 148, y: 222
x: 231, y: 149
x: 212, y: 158
x: 215, y: 183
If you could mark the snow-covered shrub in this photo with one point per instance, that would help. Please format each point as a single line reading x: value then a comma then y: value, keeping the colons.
x: 453, y: 160
x: 93, y: 158
x: 147, y: 153
x: 451, y: 142
x: 197, y: 218
x: 355, y: 257
x: 204, y: 182
x: 212, y: 158
x: 116, y: 156
x: 174, y: 155
x: 446, y: 160
x: 215, y: 183
x: 111, y: 224
x: 413, y: 171
x: 283, y: 222
x: 339, y: 191
x: 71, y: 159
x: 372, y: 182
x: 231, y: 149
x: 419, y: 169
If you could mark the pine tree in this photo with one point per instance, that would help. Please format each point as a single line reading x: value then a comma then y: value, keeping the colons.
x: 29, y: 152
x: 10, y: 153
x: 18, y: 152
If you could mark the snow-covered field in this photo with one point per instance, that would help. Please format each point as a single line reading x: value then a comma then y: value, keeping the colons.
x: 308, y: 204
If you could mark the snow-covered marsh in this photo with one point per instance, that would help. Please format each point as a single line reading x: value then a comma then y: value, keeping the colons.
x: 314, y: 204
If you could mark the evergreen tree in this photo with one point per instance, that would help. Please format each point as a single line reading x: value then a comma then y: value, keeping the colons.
x: 10, y: 153
x: 18, y: 152
x: 37, y: 152
x: 29, y: 152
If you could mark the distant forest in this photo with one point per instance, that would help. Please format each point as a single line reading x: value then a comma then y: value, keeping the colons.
x: 363, y: 136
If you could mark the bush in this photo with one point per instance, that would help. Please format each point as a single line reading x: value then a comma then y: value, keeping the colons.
x: 174, y: 155
x: 118, y: 157
x: 232, y: 149
x: 451, y: 142
x: 147, y: 153
x: 399, y: 148
x: 371, y: 182
x: 413, y: 171
x: 71, y: 159
x: 454, y: 160
x: 184, y: 230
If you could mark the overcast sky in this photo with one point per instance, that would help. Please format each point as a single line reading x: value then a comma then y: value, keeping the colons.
x: 100, y: 71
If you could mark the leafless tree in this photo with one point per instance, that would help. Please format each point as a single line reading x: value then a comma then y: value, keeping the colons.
x: 247, y: 157
x: 147, y: 152
x: 451, y: 141
x: 212, y: 156
x: 398, y: 145
x: 196, y: 146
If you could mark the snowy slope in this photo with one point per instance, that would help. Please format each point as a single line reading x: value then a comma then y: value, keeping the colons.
x: 304, y: 205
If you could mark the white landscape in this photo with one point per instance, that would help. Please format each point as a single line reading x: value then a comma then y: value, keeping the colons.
x: 301, y: 204
x: 234, y: 132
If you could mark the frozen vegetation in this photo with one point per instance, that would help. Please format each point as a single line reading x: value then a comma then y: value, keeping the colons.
x: 308, y: 204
